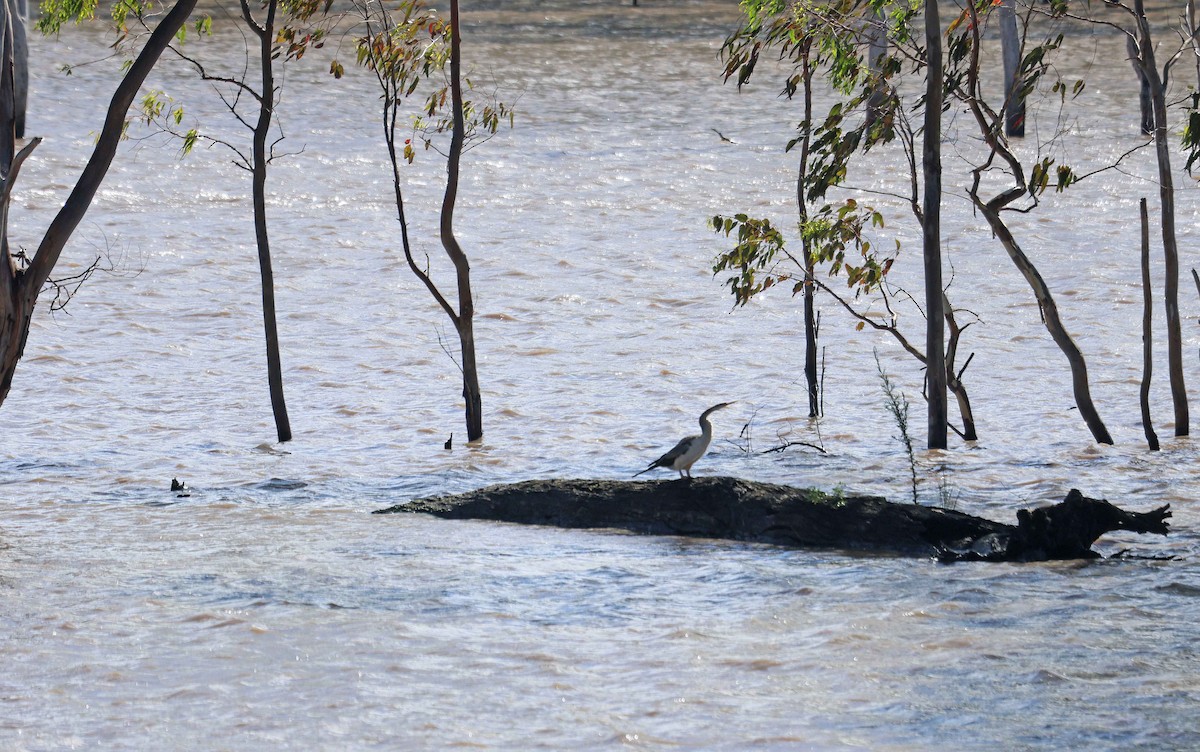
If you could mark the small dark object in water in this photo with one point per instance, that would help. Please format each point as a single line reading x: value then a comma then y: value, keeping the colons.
x: 449, y: 442
x: 180, y: 487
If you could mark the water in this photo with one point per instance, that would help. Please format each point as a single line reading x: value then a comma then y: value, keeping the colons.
x: 269, y: 609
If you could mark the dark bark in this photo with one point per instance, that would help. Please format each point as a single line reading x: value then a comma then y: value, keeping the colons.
x: 20, y: 287
x: 931, y: 227
x: 811, y: 320
x: 1147, y: 318
x: 742, y: 510
x: 954, y: 378
x: 262, y: 129
x: 464, y: 322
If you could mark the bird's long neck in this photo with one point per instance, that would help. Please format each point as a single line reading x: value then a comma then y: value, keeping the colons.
x: 705, y: 428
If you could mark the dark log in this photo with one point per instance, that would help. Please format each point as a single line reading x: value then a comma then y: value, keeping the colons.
x: 743, y: 510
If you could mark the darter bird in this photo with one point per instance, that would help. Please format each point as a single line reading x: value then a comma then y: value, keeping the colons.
x: 692, y: 448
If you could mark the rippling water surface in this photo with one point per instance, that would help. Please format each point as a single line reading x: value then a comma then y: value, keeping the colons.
x: 270, y: 610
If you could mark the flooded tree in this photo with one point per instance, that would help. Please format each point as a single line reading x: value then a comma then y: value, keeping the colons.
x: 931, y: 228
x: 405, y: 50
x: 964, y: 80
x: 274, y: 40
x: 843, y: 41
x: 1156, y: 82
x: 22, y: 277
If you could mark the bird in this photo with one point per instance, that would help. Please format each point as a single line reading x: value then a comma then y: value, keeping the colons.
x: 690, y: 449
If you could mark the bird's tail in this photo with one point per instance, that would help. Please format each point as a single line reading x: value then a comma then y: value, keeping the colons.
x: 643, y: 471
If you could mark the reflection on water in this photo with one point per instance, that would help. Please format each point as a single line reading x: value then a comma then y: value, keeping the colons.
x: 269, y: 609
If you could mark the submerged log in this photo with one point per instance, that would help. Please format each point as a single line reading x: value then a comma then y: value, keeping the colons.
x: 798, y: 518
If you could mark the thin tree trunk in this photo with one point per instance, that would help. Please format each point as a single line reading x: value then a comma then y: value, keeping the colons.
x: 1147, y: 347
x: 1054, y: 325
x: 953, y: 378
x: 466, y: 304
x: 810, y: 290
x: 931, y: 165
x: 1010, y: 43
x: 1166, y: 191
x: 16, y: 14
x: 20, y: 288
x: 262, y: 129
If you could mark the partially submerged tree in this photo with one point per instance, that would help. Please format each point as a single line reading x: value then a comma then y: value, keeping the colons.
x: 1156, y: 82
x: 842, y: 39
x: 21, y: 280
x: 284, y: 30
x: 964, y: 81
x: 405, y: 50
x: 931, y: 228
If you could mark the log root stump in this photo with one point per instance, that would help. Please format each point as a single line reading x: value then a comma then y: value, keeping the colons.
x: 734, y: 509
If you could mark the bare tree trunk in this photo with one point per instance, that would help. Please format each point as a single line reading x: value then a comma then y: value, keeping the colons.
x: 262, y: 129
x: 1147, y: 316
x: 464, y: 322
x: 1166, y: 191
x: 954, y: 378
x: 989, y: 131
x: 1058, y: 332
x: 1010, y: 43
x: 931, y: 166
x: 18, y: 287
x: 810, y: 290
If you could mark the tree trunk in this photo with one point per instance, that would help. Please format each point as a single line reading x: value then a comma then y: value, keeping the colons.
x: 462, y: 267
x: 1166, y: 192
x: 1147, y: 316
x: 931, y: 166
x: 1010, y: 42
x: 20, y: 288
x: 953, y: 380
x: 262, y: 130
x: 16, y: 15
x: 1049, y: 310
x: 810, y: 289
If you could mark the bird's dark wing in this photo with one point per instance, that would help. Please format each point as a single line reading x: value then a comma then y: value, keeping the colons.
x: 669, y: 457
